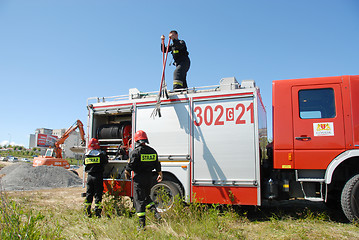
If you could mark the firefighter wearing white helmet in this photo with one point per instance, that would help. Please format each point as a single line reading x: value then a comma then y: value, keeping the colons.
x: 143, y: 160
x: 95, y: 161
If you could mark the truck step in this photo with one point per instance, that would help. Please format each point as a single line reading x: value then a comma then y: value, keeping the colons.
x: 310, y: 180
x: 314, y: 199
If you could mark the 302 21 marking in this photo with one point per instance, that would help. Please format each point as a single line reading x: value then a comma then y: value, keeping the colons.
x: 214, y: 116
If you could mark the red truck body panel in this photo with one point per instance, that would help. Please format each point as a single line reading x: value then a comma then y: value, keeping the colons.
x: 226, y: 195
x: 118, y: 188
x: 354, y: 95
x: 314, y: 120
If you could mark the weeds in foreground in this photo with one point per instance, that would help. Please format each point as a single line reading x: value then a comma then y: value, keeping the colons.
x: 19, y: 223
x: 114, y: 201
x: 206, y: 221
x: 181, y: 221
x: 116, y: 205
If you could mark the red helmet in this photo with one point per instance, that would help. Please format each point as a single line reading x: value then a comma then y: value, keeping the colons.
x: 93, y: 144
x: 141, y: 136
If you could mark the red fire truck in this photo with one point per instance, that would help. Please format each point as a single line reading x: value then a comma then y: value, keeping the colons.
x: 212, y: 141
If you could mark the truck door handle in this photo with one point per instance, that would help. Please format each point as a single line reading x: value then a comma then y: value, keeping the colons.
x: 303, y: 138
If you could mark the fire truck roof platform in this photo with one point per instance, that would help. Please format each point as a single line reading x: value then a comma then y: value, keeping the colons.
x: 226, y: 84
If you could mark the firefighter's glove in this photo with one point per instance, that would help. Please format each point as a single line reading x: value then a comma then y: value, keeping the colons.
x: 159, y: 177
x: 127, y: 174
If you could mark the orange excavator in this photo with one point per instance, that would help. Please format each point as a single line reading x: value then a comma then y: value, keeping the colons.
x: 53, y: 156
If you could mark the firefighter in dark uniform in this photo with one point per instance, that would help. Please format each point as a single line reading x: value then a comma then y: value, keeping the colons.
x: 143, y: 159
x: 182, y: 62
x: 95, y: 161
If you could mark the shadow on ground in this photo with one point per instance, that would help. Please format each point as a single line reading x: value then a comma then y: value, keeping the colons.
x: 291, y: 209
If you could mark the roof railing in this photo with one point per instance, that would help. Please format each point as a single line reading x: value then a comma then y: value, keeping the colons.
x: 211, y: 88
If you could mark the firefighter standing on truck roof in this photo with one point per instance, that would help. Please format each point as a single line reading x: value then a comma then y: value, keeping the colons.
x: 95, y: 161
x: 182, y: 62
x: 143, y: 159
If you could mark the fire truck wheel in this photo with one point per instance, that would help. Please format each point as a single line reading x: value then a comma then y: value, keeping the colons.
x: 350, y: 199
x: 164, y: 193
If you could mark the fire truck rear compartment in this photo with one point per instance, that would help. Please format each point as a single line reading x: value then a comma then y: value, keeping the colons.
x: 114, y: 134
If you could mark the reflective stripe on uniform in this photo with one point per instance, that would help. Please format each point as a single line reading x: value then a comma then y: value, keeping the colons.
x: 92, y: 160
x: 175, y: 51
x: 98, y: 205
x: 141, y: 214
x: 148, y: 157
x: 150, y: 205
x: 176, y: 82
x: 87, y: 204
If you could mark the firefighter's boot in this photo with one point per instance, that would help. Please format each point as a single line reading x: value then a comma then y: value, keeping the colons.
x: 87, y: 210
x: 98, y: 212
x: 142, y: 223
x: 155, y: 212
x: 98, y: 209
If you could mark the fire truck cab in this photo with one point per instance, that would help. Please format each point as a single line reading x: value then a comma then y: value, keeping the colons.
x: 316, y: 140
x: 212, y: 141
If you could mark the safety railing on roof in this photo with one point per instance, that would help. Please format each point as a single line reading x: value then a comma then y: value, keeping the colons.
x: 93, y: 100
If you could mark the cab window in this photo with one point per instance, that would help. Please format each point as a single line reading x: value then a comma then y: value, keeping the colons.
x: 316, y: 103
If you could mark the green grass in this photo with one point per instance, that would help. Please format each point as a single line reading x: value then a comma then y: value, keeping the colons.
x: 17, y: 222
x: 19, y: 154
x: 41, y: 218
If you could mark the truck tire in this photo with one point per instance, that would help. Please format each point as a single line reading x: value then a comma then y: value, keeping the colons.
x: 350, y: 198
x: 164, y: 193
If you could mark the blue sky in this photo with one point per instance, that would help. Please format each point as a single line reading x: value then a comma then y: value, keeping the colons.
x: 56, y: 54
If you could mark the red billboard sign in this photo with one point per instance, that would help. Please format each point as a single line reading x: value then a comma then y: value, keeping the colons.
x: 44, y: 140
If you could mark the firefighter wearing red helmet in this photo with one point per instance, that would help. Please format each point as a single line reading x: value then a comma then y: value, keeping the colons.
x: 95, y: 161
x: 143, y: 160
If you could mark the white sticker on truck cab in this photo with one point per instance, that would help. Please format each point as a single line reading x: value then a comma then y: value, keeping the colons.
x: 323, y: 129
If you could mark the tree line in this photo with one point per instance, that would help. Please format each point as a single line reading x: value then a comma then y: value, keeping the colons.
x: 18, y: 151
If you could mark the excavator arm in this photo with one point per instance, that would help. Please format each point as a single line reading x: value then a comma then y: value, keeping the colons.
x: 78, y: 124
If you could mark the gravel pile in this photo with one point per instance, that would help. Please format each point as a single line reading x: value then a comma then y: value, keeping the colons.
x: 24, y: 176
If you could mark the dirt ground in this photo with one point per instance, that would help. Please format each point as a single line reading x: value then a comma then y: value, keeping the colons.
x: 5, y: 164
x: 69, y: 198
